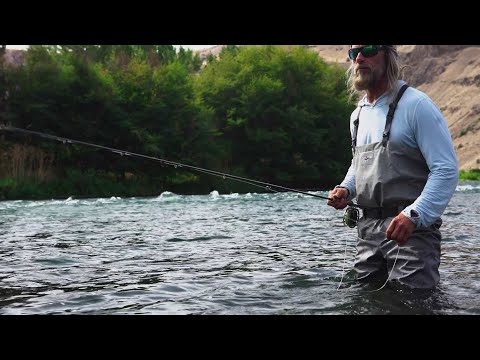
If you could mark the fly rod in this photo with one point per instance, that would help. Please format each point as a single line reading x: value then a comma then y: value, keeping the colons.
x: 264, y: 185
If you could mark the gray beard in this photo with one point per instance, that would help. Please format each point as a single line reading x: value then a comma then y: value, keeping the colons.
x: 364, y: 82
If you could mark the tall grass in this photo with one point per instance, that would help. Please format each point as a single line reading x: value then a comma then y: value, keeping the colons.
x: 21, y: 161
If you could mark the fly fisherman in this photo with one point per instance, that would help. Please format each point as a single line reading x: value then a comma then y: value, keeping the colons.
x: 403, y: 173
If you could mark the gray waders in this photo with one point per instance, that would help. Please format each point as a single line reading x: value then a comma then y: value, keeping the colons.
x: 389, y: 177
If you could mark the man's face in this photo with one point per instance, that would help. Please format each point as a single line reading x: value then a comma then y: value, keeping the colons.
x: 369, y: 65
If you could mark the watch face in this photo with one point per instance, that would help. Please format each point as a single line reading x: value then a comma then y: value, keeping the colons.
x: 414, y: 217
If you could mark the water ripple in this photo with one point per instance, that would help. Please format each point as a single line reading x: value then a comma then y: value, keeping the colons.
x: 279, y: 253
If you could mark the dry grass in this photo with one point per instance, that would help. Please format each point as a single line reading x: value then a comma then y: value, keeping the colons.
x: 25, y: 161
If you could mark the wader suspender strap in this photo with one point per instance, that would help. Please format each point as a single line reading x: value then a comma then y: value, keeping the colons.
x: 355, y: 130
x: 391, y: 111
x: 388, y: 122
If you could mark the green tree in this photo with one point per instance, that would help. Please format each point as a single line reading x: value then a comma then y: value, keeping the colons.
x: 281, y: 112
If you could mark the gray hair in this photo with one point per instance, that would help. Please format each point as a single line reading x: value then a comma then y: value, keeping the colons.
x: 392, y: 69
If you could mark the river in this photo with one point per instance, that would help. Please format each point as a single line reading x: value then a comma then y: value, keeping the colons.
x: 281, y: 253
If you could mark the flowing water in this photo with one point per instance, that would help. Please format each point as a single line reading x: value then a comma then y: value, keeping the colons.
x: 281, y: 253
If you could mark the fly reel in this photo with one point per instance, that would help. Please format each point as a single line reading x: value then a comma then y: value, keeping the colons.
x: 351, y: 216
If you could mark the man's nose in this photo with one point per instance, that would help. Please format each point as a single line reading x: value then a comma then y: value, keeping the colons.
x: 360, y: 58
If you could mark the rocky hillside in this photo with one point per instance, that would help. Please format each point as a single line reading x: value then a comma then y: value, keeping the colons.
x: 449, y: 74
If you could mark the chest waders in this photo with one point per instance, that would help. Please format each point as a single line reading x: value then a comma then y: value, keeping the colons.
x: 373, y: 182
x: 389, y: 177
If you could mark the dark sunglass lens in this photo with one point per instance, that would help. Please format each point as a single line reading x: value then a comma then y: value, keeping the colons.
x: 352, y: 53
x: 369, y: 50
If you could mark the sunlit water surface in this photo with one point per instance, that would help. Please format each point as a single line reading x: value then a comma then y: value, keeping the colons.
x: 282, y: 253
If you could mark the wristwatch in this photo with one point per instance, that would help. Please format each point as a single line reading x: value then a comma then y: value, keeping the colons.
x: 414, y: 217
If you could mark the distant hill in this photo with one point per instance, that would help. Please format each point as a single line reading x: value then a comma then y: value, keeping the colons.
x: 448, y: 74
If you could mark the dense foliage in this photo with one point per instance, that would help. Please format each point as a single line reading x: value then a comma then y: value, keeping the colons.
x: 270, y: 113
x: 470, y: 175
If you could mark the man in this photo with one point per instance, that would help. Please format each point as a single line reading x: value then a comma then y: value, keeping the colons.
x: 403, y: 173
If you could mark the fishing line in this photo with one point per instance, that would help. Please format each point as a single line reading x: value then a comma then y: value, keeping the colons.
x: 393, y: 267
x: 388, y: 278
x: 261, y: 184
x: 345, y: 260
x: 343, y: 267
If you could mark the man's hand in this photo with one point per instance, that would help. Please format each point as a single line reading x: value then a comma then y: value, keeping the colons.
x: 339, y: 198
x: 400, y: 229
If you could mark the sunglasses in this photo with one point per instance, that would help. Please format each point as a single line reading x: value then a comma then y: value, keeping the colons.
x: 367, y: 51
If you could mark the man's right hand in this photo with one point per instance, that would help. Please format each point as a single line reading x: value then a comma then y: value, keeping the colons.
x: 339, y: 198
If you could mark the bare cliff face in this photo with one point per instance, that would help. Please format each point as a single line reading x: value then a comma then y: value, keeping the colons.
x: 448, y: 74
x: 452, y: 79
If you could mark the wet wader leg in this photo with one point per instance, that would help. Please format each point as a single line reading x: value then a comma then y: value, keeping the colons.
x: 370, y: 264
x: 418, y: 260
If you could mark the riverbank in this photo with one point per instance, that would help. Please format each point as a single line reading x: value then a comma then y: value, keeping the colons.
x: 84, y: 186
x: 469, y: 175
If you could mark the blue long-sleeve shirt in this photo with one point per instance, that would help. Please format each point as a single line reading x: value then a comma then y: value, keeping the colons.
x: 419, y: 124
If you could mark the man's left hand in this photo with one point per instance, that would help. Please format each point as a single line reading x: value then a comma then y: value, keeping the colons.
x: 400, y: 229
